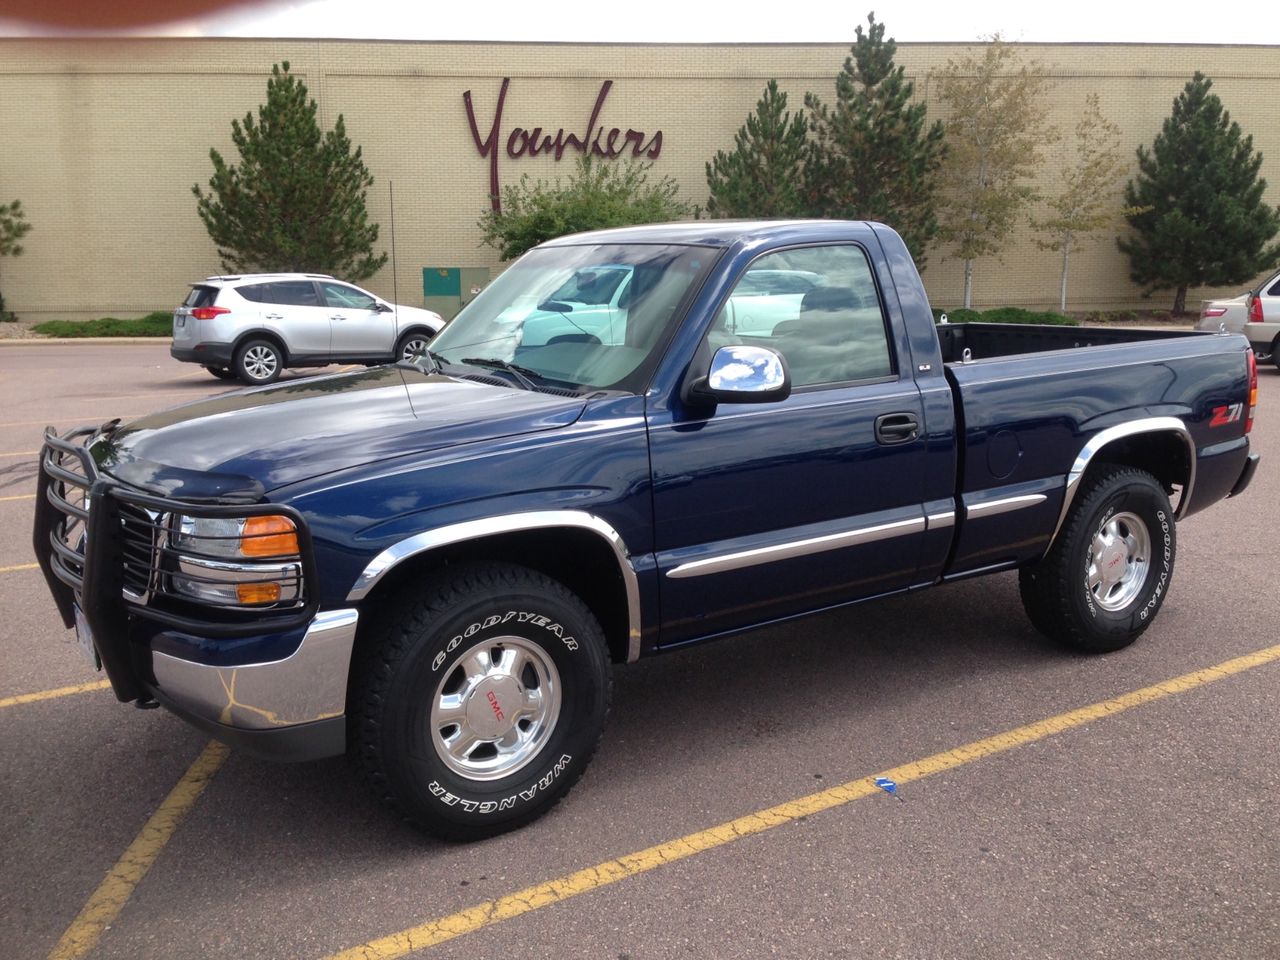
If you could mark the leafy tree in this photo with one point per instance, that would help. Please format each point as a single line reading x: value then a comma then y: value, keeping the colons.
x: 873, y: 156
x: 13, y: 227
x: 761, y: 176
x: 1086, y: 203
x: 598, y: 194
x: 1201, y: 220
x: 996, y: 132
x: 296, y: 201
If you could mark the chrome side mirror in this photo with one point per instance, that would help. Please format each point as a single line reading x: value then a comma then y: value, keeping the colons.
x: 743, y: 374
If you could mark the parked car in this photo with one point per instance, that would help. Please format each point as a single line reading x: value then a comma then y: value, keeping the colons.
x: 254, y: 326
x: 433, y: 565
x: 1255, y: 313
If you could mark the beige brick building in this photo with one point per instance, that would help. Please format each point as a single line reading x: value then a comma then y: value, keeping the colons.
x: 103, y: 140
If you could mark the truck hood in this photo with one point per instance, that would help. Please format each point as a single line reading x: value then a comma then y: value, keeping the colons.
x: 241, y: 445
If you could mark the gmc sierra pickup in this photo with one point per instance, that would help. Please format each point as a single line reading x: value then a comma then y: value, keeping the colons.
x: 717, y: 425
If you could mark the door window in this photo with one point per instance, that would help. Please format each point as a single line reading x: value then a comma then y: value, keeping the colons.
x: 342, y: 297
x: 818, y: 307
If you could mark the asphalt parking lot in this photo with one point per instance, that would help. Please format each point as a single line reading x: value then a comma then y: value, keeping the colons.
x: 729, y: 812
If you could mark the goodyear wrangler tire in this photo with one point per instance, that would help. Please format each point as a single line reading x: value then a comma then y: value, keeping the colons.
x: 1108, y: 573
x: 481, y: 703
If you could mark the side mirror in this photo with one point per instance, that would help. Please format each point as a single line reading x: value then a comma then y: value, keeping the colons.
x: 383, y: 307
x: 742, y: 374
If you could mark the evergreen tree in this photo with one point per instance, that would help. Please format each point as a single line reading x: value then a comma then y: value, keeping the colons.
x: 873, y: 156
x: 1086, y: 203
x: 1201, y: 220
x: 13, y: 227
x: 599, y: 194
x: 995, y: 138
x: 296, y: 201
x: 761, y: 176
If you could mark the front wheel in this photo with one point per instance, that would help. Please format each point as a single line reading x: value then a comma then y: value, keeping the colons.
x: 478, y: 704
x: 413, y: 346
x: 1106, y: 576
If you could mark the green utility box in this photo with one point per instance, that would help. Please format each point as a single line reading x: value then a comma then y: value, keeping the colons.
x: 446, y: 290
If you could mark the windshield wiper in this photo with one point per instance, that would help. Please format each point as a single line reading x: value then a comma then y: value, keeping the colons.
x: 520, y: 374
x: 436, y: 362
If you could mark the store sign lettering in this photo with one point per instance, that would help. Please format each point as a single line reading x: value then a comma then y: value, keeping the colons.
x: 532, y: 142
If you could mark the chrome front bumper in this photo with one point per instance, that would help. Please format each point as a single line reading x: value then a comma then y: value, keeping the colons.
x: 308, y: 688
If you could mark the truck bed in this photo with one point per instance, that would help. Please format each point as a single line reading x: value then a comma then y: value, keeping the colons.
x: 985, y: 341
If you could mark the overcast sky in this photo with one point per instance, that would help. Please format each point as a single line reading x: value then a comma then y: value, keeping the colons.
x: 675, y: 21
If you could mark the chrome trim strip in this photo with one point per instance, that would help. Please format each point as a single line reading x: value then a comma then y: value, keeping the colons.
x: 1120, y: 432
x: 307, y: 686
x: 992, y: 508
x: 936, y: 521
x: 511, y: 523
x: 796, y: 548
x: 236, y: 572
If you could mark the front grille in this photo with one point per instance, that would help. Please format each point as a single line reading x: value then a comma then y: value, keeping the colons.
x: 140, y: 531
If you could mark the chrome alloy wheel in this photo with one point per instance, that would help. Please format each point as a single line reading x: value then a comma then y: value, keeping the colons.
x: 495, y: 708
x: 1118, y: 561
x: 260, y: 362
x: 415, y: 348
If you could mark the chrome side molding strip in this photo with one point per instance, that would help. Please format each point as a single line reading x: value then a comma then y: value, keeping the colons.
x: 936, y: 521
x: 796, y: 548
x: 397, y: 553
x: 993, y: 508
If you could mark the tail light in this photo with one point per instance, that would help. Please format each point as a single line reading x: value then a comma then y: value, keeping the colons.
x: 208, y: 313
x: 1253, y: 390
x: 1209, y: 313
x: 1255, y: 309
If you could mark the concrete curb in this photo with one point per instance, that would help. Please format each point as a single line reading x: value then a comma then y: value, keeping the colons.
x: 70, y: 341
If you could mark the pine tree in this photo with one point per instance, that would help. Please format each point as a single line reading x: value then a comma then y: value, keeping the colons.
x: 761, y: 176
x: 1087, y: 202
x: 1201, y: 220
x: 995, y: 137
x: 872, y: 155
x: 296, y: 201
x: 13, y: 227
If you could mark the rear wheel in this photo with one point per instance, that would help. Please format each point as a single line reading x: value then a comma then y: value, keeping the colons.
x: 478, y: 704
x: 1106, y: 576
x: 259, y: 362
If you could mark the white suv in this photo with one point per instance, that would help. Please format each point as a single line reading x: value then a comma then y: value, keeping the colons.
x: 253, y: 326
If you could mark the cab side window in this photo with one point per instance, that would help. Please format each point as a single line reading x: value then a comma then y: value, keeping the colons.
x: 818, y: 307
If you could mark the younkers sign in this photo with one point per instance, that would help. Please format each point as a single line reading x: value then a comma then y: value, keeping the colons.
x: 535, y: 141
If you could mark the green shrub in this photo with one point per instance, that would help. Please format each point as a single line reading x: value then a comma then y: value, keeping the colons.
x: 156, y: 324
x: 958, y: 315
x: 1019, y: 315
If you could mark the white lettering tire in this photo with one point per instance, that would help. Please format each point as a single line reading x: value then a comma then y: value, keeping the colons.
x: 1106, y: 576
x: 476, y: 705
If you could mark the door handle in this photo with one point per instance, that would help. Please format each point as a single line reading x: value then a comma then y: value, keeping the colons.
x: 337, y: 316
x: 894, y: 428
x: 273, y: 316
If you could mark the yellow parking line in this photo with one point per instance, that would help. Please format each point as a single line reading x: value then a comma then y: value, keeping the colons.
x: 610, y: 872
x: 77, y: 421
x: 114, y: 892
x: 20, y: 453
x: 20, y: 566
x: 20, y: 496
x: 53, y: 694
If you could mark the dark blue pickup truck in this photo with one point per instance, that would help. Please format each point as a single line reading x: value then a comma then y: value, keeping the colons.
x: 631, y: 441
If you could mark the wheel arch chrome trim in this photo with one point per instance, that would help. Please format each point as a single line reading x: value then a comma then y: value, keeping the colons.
x: 1123, y: 431
x: 486, y: 527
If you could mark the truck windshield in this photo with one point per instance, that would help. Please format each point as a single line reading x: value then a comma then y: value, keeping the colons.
x: 591, y: 316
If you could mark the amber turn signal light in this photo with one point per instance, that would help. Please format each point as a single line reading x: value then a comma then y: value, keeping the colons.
x: 257, y: 592
x: 269, y: 536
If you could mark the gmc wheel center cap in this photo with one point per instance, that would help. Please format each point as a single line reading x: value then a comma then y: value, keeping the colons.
x: 491, y: 706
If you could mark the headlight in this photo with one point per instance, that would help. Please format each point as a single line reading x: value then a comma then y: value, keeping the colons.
x: 210, y: 555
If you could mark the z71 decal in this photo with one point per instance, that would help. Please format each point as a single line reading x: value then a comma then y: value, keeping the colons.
x: 1225, y: 415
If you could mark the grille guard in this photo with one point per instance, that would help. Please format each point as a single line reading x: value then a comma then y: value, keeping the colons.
x: 91, y: 572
